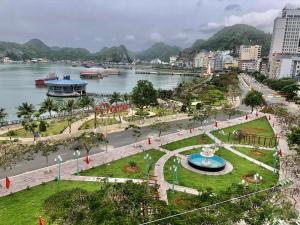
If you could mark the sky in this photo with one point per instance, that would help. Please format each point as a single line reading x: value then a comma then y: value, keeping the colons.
x: 94, y: 24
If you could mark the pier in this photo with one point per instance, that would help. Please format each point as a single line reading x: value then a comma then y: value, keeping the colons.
x: 190, y: 74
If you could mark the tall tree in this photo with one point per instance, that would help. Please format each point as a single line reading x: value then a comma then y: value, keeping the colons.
x: 254, y: 98
x: 290, y: 91
x: 144, y: 95
x: 3, y: 115
x: 199, y: 115
x: 229, y: 110
x: 136, y: 131
x: 160, y: 127
x: 70, y: 105
x: 115, y: 99
x: 48, y: 105
x: 25, y: 110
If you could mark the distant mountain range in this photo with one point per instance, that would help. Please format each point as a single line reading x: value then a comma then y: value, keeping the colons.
x: 229, y: 38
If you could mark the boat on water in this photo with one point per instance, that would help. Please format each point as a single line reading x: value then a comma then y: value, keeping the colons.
x: 41, y: 81
x: 98, y: 73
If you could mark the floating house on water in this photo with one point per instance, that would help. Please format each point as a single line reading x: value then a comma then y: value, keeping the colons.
x: 66, y: 88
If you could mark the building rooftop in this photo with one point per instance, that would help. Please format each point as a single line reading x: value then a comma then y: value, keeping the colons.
x: 65, y: 82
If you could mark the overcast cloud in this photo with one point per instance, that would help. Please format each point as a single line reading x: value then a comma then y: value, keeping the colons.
x: 93, y: 24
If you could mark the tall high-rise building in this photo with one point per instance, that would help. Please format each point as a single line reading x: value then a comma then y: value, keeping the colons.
x: 251, y: 52
x: 284, y: 57
x: 249, y: 57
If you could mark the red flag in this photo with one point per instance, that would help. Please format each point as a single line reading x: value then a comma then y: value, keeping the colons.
x: 216, y: 124
x: 246, y: 117
x: 7, y: 183
x: 280, y: 153
x: 149, y: 141
x: 191, y: 130
x: 273, y: 124
x: 256, y: 114
x: 87, y: 159
x: 269, y: 117
x: 41, y: 221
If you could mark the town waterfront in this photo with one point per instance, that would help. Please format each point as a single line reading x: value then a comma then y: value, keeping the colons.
x: 17, y: 83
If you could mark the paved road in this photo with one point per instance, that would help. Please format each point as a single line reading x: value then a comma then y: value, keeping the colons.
x: 270, y: 95
x: 116, y: 139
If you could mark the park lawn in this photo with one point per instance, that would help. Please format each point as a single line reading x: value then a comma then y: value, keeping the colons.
x: 260, y: 127
x: 100, y: 122
x: 196, y: 140
x: 116, y: 168
x: 25, y: 207
x: 166, y: 112
x: 54, y: 128
x: 266, y: 158
x: 241, y: 167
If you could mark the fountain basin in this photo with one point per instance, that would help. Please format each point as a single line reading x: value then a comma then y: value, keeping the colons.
x: 211, y: 164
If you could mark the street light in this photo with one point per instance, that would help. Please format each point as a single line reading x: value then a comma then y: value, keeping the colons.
x: 177, y: 162
x: 147, y: 158
x: 58, y: 160
x: 173, y: 169
x: 77, y: 154
x: 257, y: 179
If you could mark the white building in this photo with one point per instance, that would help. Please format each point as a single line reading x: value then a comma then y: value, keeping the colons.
x: 284, y: 57
x: 173, y: 60
x: 6, y: 60
x: 199, y: 60
x: 156, y: 61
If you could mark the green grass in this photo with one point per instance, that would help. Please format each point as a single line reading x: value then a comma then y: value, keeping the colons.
x: 55, y: 127
x: 196, y: 140
x: 100, y: 122
x: 241, y: 167
x: 260, y: 127
x: 25, y: 207
x: 132, y: 118
x: 115, y: 168
x: 266, y: 158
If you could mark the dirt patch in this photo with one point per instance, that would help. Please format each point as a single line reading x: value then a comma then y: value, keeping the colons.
x: 249, y: 178
x: 254, y: 131
x: 179, y: 201
x: 131, y: 169
x: 257, y: 153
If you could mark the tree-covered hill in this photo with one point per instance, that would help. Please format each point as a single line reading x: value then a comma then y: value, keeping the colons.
x: 113, y: 54
x: 159, y: 50
x: 35, y: 48
x: 231, y: 37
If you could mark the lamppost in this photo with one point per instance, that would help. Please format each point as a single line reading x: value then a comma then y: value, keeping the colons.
x: 58, y: 160
x: 244, y: 185
x: 257, y: 179
x: 77, y: 154
x: 147, y: 158
x: 173, y: 169
x: 177, y: 162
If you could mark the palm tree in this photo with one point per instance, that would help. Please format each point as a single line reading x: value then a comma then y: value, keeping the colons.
x: 49, y: 105
x: 69, y: 106
x: 92, y: 104
x: 3, y: 115
x: 25, y: 110
x: 115, y: 98
x: 85, y: 102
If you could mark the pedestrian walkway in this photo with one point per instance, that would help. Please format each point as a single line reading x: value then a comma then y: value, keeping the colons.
x: 67, y: 169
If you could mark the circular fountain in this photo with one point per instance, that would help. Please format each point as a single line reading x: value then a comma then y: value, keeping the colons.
x: 206, y: 160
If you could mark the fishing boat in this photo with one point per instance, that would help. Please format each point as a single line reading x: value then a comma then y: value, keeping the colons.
x: 41, y: 81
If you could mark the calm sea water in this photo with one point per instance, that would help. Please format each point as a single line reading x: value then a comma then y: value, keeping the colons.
x: 17, y: 83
